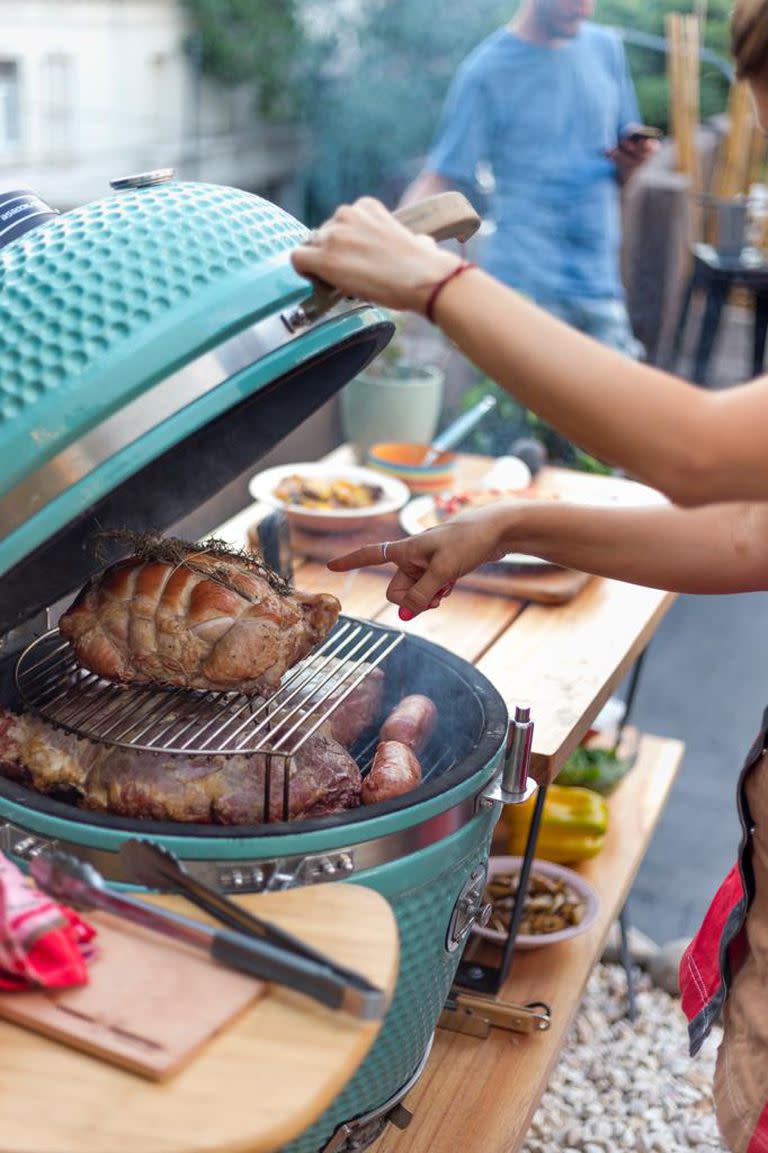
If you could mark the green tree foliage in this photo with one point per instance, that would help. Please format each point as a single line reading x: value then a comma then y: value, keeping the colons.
x: 373, y: 108
x: 377, y: 90
x: 649, y: 66
x: 259, y: 41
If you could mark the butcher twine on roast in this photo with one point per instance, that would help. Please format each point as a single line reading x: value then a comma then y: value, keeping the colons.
x: 197, y: 617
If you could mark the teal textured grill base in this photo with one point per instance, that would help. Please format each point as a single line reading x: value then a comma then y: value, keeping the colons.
x: 427, y: 969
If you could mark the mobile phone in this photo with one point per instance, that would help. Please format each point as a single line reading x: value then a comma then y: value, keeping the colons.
x: 642, y: 132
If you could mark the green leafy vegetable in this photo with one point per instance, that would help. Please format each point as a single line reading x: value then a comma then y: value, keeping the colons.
x: 596, y: 769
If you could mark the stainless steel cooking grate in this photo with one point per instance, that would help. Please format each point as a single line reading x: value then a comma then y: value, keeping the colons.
x: 52, y: 684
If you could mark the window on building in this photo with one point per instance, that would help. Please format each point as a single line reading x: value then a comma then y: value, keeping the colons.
x: 58, y: 103
x: 9, y: 105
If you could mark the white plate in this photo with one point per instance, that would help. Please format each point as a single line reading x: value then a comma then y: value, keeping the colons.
x: 394, y: 495
x: 420, y: 514
x: 574, y: 881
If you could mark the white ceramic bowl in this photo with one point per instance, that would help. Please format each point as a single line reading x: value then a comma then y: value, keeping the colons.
x: 574, y: 881
x: 394, y: 494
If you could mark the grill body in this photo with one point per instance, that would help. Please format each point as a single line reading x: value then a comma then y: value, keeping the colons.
x: 143, y: 333
x: 423, y: 853
x: 148, y: 357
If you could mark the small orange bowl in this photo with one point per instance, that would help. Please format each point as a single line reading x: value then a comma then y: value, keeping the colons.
x: 404, y: 462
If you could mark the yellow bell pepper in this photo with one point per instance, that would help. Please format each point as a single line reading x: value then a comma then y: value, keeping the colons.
x: 573, y: 825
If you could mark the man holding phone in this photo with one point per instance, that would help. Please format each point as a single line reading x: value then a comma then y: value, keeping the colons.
x: 546, y: 106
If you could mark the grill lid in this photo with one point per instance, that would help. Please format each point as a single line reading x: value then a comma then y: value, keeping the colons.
x: 142, y: 363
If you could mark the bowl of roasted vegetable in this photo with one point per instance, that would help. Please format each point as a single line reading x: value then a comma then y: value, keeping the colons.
x: 329, y: 498
x: 559, y: 903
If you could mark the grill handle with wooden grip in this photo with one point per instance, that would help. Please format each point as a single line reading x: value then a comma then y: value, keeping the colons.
x: 447, y: 216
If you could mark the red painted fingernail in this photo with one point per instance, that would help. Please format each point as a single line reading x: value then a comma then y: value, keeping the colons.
x: 406, y: 614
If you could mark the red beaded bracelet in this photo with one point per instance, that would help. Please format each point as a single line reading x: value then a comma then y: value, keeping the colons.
x: 429, y: 311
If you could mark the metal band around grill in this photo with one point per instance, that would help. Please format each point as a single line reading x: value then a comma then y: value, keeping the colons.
x: 135, y: 420
x: 257, y: 876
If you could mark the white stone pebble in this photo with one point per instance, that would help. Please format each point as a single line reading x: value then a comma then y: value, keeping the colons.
x: 624, y: 1086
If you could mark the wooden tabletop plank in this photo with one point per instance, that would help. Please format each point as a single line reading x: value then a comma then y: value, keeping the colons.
x: 467, y: 623
x: 362, y: 593
x: 567, y: 660
x: 481, y: 1095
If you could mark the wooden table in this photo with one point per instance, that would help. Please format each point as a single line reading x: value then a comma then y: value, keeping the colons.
x: 480, y: 1095
x: 564, y: 660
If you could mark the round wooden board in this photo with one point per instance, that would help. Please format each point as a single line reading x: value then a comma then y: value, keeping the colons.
x: 254, y: 1088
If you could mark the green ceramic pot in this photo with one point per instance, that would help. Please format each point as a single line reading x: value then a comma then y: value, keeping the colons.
x: 404, y: 405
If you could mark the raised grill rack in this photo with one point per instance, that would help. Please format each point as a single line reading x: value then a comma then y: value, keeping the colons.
x: 53, y: 685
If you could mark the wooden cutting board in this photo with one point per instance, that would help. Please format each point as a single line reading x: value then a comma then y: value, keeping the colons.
x: 254, y: 1086
x: 549, y: 586
x: 150, y: 1003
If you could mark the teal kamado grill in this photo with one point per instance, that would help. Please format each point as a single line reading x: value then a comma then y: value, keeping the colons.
x: 153, y: 345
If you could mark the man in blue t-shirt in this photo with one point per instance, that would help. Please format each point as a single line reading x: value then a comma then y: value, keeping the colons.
x: 546, y: 105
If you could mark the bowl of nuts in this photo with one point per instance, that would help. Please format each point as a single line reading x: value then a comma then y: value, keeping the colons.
x: 559, y: 904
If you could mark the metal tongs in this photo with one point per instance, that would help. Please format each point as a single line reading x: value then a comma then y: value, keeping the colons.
x: 271, y: 955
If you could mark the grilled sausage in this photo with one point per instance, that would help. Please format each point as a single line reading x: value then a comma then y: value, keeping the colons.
x: 395, y: 771
x: 411, y: 722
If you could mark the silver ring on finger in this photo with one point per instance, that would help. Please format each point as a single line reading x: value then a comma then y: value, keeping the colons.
x: 385, y: 551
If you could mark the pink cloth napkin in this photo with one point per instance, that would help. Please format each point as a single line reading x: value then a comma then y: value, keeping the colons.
x: 42, y: 944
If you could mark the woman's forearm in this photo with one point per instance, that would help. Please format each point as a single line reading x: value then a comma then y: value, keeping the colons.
x: 717, y: 549
x: 697, y: 447
x: 694, y: 446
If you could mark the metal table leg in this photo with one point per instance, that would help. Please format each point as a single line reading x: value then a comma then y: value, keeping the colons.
x: 760, y: 332
x: 522, y: 885
x: 626, y: 962
x: 682, y: 321
x: 484, y: 978
x: 717, y: 294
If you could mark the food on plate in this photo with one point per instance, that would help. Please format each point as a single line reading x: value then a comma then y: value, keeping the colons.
x: 227, y: 790
x: 573, y: 825
x: 451, y: 503
x: 395, y: 771
x: 197, y: 617
x: 550, y: 905
x: 327, y: 493
x: 412, y: 722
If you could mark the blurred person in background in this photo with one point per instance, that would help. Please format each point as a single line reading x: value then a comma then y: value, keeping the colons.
x: 704, y: 450
x: 547, y: 104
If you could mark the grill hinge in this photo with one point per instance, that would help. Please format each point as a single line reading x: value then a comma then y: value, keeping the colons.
x: 25, y: 846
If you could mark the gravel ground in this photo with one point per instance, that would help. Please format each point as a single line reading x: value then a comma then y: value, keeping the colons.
x: 621, y: 1086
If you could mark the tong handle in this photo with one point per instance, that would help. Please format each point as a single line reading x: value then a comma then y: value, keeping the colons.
x: 323, y: 984
x: 235, y: 917
x: 447, y: 216
x: 156, y: 866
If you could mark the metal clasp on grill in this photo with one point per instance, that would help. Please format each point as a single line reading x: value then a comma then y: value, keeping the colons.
x: 359, y: 1134
x: 24, y: 846
x: 468, y: 909
x: 285, y: 873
